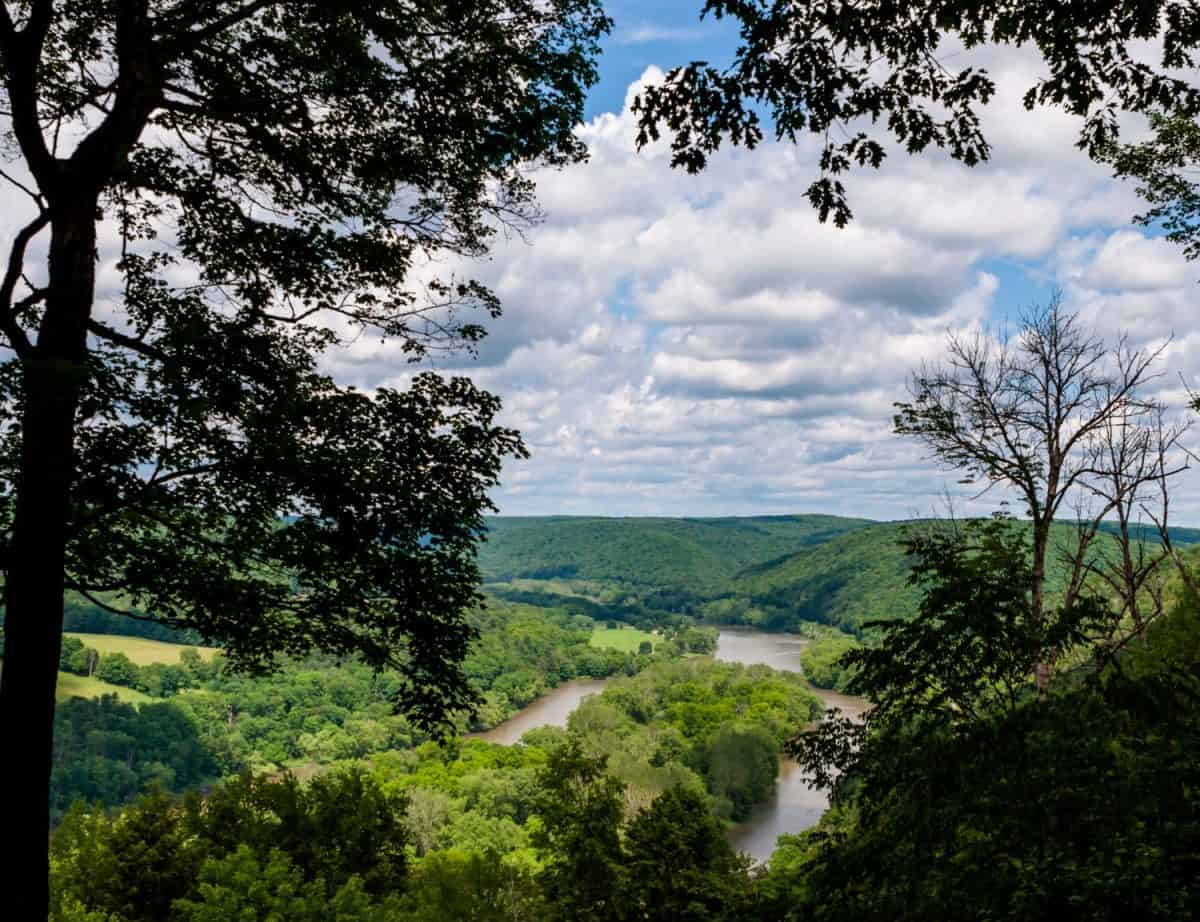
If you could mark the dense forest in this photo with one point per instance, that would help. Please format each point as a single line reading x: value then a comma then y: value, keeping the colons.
x: 212, y: 721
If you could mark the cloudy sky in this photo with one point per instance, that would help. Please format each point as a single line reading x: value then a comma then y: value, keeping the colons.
x: 701, y: 345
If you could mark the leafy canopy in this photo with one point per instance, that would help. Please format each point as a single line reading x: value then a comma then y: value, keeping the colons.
x: 842, y: 70
x: 269, y: 183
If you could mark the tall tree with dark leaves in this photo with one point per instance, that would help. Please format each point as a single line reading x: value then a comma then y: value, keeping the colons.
x: 217, y: 193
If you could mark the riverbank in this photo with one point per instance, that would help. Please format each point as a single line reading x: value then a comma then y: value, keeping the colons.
x: 794, y: 805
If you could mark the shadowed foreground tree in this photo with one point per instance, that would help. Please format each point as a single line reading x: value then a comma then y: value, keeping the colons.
x: 217, y: 194
x: 836, y: 70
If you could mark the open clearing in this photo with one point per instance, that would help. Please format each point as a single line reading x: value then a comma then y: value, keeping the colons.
x: 78, y: 686
x: 141, y: 651
x: 625, y: 639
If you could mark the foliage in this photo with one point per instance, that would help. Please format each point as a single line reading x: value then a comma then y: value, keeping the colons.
x: 1163, y: 167
x: 681, y: 554
x: 680, y: 866
x: 709, y: 726
x: 967, y: 796
x: 1080, y: 807
x: 479, y: 886
x: 580, y: 807
x: 315, y: 711
x: 277, y: 178
x: 107, y: 751
x: 822, y: 662
x: 971, y: 649
x: 862, y: 78
x: 254, y: 847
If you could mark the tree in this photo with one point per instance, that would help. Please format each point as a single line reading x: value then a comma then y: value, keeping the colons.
x: 1164, y: 166
x: 263, y: 181
x: 681, y: 866
x: 741, y: 763
x: 837, y: 69
x: 580, y: 808
x: 1058, y: 417
x: 117, y: 669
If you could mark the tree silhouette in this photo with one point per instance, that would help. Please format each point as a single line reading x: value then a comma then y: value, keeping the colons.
x: 861, y: 76
x: 217, y: 193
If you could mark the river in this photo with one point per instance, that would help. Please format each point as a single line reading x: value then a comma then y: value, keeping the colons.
x: 552, y: 709
x: 794, y: 806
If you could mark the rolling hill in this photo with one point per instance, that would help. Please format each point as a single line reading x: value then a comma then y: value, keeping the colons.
x: 684, y: 553
x: 853, y: 578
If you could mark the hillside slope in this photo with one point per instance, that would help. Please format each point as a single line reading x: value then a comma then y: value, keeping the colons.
x: 853, y: 578
x: 686, y: 553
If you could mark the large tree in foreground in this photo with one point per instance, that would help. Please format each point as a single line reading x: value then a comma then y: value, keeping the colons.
x: 863, y: 76
x: 213, y: 194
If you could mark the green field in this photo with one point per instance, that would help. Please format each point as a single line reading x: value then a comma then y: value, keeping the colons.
x: 141, y: 651
x: 624, y: 639
x: 78, y: 686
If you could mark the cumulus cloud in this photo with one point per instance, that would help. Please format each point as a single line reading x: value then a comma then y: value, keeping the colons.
x: 702, y: 345
x: 677, y: 344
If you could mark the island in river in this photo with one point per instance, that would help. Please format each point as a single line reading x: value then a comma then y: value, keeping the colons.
x: 794, y: 806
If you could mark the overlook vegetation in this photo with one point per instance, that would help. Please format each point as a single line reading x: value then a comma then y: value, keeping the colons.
x: 211, y: 204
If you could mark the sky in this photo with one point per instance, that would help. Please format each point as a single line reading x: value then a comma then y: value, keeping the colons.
x: 702, y: 345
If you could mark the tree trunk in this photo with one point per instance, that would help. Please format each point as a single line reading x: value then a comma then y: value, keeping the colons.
x: 1041, y: 541
x: 35, y: 567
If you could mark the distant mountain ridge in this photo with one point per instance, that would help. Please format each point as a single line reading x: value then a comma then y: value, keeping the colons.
x: 678, y: 552
x: 772, y: 572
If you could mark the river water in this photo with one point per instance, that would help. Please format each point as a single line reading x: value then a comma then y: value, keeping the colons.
x: 550, y: 710
x: 794, y: 806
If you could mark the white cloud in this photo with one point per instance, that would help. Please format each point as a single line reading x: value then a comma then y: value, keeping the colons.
x: 702, y: 345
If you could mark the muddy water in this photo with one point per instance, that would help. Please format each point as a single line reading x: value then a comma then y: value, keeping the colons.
x: 551, y: 709
x: 795, y: 805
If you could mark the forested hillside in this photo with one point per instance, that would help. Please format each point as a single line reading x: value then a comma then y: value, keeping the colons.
x: 853, y: 578
x: 661, y: 552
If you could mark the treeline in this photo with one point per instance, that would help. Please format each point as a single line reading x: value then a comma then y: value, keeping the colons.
x: 643, y: 608
x: 343, y: 848
x: 311, y: 712
x: 159, y: 680
x: 618, y: 817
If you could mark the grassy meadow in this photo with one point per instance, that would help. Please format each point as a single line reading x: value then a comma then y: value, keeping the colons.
x: 623, y: 639
x: 141, y: 652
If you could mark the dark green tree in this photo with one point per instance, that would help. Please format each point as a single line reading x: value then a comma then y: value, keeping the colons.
x: 860, y: 76
x: 965, y: 796
x: 970, y: 650
x: 740, y: 765
x: 266, y: 178
x: 681, y: 867
x: 117, y: 669
x: 580, y: 808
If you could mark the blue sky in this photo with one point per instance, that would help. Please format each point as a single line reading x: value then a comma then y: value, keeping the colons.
x: 679, y: 345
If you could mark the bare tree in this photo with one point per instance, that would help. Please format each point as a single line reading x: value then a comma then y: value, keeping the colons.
x: 1133, y: 457
x: 1058, y: 416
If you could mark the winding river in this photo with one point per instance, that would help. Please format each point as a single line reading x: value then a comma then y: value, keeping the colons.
x: 794, y: 806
